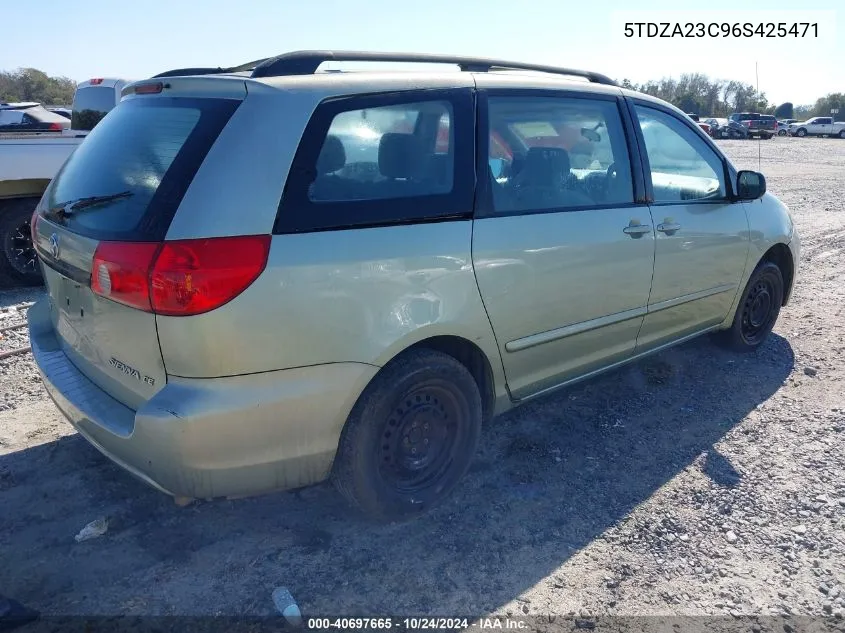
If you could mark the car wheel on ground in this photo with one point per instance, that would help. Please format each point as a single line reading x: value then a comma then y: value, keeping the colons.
x: 410, y: 437
x: 801, y: 132
x: 18, y: 261
x: 757, y: 311
x: 842, y: 134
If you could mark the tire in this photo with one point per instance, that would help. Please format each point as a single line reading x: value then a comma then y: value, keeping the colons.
x: 422, y: 401
x: 758, y: 310
x: 782, y: 133
x: 842, y: 134
x: 18, y: 262
x: 801, y: 132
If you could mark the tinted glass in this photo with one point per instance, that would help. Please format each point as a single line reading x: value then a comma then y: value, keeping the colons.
x: 379, y: 153
x: 683, y: 167
x: 90, y: 105
x: 550, y: 152
x: 148, y: 150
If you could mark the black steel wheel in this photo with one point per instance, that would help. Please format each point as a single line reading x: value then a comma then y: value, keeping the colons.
x: 758, y: 309
x: 18, y: 260
x: 410, y: 437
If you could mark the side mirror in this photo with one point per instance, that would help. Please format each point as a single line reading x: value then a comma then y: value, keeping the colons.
x: 750, y: 185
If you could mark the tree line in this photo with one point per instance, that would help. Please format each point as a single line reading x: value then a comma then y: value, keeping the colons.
x: 697, y: 93
x: 30, y: 84
x: 691, y: 92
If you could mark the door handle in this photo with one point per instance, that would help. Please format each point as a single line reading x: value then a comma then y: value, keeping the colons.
x: 637, y: 230
x: 669, y: 228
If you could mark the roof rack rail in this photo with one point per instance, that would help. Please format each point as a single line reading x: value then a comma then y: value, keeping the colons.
x: 181, y: 72
x: 307, y: 63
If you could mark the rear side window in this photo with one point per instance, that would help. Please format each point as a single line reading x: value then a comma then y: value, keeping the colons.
x: 374, y: 153
x: 90, y: 105
x: 383, y: 159
x: 144, y: 153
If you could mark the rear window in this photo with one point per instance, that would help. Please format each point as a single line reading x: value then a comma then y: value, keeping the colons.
x: 90, y: 105
x: 146, y: 150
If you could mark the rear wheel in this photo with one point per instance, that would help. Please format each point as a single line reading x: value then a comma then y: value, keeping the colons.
x: 781, y: 132
x: 842, y: 134
x: 410, y: 437
x: 18, y: 261
x: 758, y: 310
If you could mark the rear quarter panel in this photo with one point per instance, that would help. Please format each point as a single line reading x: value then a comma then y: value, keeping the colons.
x: 360, y: 295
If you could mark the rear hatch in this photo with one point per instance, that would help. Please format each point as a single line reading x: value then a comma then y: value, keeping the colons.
x: 108, y: 209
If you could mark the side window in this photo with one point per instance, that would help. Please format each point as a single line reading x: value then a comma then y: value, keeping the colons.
x: 683, y: 167
x: 11, y: 117
x: 557, y: 153
x: 377, y: 159
x: 384, y: 152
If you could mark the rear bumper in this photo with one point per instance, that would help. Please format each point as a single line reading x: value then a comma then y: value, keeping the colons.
x: 211, y: 437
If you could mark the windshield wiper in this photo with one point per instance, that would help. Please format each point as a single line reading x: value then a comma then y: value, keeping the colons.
x: 65, y: 209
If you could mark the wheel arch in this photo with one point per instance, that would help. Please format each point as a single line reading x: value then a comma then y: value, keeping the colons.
x: 470, y: 356
x: 781, y: 256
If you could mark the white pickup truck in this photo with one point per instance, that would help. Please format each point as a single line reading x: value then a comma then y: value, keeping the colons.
x: 818, y: 126
x: 27, y: 164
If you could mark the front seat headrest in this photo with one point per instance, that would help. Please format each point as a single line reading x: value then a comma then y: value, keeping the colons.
x: 399, y: 155
x: 332, y: 157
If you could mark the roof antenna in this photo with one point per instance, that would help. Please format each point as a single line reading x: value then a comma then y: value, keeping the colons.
x: 759, y: 138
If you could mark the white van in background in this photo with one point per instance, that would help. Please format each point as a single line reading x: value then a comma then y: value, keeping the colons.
x: 92, y: 101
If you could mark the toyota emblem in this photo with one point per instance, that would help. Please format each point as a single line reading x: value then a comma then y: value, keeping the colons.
x: 54, y: 245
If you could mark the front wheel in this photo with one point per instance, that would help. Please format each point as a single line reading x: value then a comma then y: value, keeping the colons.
x: 758, y: 310
x: 410, y: 437
x: 801, y: 132
x: 842, y: 134
x: 782, y: 133
x: 18, y: 261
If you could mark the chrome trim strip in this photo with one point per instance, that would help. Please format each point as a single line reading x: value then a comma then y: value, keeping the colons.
x: 618, y: 364
x: 570, y: 330
x: 701, y: 294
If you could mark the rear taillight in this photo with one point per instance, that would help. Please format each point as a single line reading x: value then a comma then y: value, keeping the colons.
x: 121, y: 272
x: 55, y: 127
x: 179, y: 278
x: 97, y: 81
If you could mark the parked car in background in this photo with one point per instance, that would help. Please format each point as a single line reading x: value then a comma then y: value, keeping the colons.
x: 389, y: 291
x: 764, y: 126
x: 65, y: 112
x: 29, y: 161
x: 725, y: 128
x: 783, y: 126
x: 702, y: 124
x: 818, y: 126
x: 29, y: 118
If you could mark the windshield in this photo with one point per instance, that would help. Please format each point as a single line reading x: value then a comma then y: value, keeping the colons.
x: 90, y: 105
x: 146, y: 150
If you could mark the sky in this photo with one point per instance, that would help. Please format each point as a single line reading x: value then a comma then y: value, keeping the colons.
x: 115, y: 38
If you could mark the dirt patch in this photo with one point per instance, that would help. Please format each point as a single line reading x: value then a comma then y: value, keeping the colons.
x: 698, y: 482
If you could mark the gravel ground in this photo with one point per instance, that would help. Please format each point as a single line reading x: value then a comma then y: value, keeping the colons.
x: 698, y: 482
